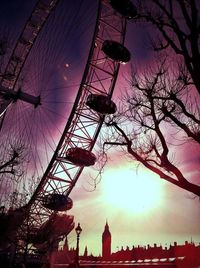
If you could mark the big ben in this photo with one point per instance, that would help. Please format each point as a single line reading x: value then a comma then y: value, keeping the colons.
x: 106, y: 243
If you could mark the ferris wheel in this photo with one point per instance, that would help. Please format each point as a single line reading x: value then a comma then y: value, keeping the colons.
x: 31, y: 105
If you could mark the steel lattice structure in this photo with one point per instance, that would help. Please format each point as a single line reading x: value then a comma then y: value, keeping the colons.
x: 84, y: 124
x: 32, y: 28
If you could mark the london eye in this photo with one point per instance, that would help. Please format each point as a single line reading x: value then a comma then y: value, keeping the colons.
x: 49, y: 122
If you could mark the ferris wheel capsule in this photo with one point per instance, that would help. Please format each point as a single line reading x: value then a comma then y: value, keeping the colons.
x: 56, y: 225
x: 59, y: 224
x: 116, y: 51
x: 125, y: 7
x: 80, y: 157
x: 58, y: 202
x: 101, y: 104
x: 100, y: 75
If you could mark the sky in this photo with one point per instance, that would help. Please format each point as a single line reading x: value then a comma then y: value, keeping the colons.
x: 140, y: 208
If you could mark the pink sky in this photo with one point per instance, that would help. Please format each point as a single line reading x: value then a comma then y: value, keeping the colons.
x: 173, y: 214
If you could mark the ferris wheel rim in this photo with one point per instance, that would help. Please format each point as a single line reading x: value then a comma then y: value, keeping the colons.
x: 98, y: 64
x: 26, y: 42
x: 77, y: 99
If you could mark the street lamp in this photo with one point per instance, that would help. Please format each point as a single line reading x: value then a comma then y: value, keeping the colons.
x: 78, y: 230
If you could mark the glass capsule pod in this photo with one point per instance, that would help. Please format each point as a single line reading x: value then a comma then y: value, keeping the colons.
x: 55, y: 226
x: 116, y: 51
x: 80, y: 157
x: 101, y: 104
x: 125, y: 7
x: 58, y: 202
x: 60, y: 224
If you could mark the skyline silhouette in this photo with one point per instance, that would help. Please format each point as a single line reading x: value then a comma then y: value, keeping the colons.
x: 177, y: 254
x: 142, y: 171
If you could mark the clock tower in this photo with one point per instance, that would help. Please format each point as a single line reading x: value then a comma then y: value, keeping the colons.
x: 106, y: 243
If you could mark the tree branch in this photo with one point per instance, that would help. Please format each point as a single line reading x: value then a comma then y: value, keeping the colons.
x: 10, y: 161
x: 182, y: 183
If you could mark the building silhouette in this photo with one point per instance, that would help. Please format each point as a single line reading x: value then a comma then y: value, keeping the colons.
x: 85, y: 252
x: 106, y: 243
x: 186, y: 255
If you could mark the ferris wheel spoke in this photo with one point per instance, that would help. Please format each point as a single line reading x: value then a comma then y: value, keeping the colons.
x: 82, y: 129
x: 58, y: 151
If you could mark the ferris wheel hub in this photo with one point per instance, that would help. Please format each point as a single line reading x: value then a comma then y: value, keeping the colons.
x: 8, y: 95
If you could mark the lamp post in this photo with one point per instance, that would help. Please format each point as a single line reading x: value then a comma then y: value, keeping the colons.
x: 78, y: 230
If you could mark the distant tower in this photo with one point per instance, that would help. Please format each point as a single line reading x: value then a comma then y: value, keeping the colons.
x: 85, y: 252
x: 65, y: 246
x: 106, y: 243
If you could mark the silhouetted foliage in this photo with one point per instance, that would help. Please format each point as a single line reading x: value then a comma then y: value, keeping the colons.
x: 11, y: 173
x: 10, y: 163
x: 159, y: 114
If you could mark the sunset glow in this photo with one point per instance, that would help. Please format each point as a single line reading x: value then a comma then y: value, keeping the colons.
x: 97, y: 97
x: 137, y: 192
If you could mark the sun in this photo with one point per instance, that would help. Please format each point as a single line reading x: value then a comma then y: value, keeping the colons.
x: 135, y: 191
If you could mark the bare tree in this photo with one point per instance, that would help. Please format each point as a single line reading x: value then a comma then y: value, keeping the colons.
x: 10, y: 163
x: 160, y: 114
x: 176, y: 25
